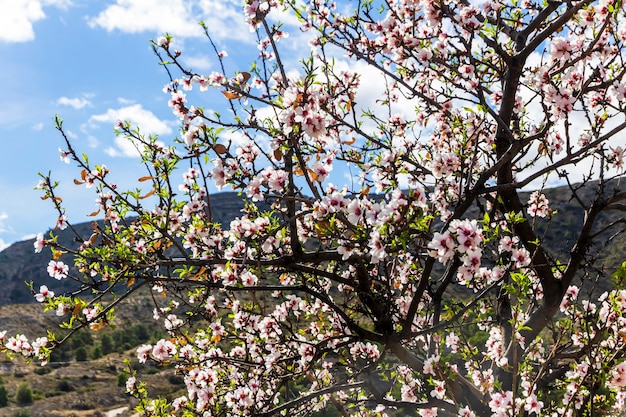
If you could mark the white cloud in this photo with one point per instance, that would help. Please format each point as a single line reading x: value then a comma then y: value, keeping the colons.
x: 176, y: 17
x: 197, y: 63
x: 38, y: 127
x: 77, y: 103
x: 17, y: 17
x: 135, y: 16
x: 225, y: 20
x: 147, y: 122
x: 137, y: 116
x: 125, y: 101
x: 3, y: 217
x: 4, y: 229
x: 124, y: 147
x: 93, y: 142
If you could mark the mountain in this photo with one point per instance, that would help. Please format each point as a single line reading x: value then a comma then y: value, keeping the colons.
x: 19, y: 263
x: 609, y: 247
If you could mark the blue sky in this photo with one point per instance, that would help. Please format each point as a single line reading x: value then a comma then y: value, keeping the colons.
x: 90, y: 61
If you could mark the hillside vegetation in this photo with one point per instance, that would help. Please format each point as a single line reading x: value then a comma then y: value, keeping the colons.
x: 87, y: 375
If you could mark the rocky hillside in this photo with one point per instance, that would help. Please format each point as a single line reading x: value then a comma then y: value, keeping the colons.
x: 86, y: 377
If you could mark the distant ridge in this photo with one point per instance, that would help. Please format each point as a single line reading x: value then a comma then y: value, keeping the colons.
x: 19, y: 263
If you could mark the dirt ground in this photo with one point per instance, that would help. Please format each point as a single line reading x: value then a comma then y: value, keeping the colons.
x: 77, y: 389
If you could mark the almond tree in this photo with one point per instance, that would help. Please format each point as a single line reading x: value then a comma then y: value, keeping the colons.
x: 419, y: 283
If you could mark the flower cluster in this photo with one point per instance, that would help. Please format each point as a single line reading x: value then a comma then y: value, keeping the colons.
x: 462, y: 238
x: 58, y: 269
x: 538, y: 205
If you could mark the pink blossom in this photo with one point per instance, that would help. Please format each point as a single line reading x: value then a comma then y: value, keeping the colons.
x: 142, y: 352
x: 39, y: 243
x: 377, y: 248
x: 321, y: 170
x: 439, y: 391
x: 619, y: 91
x: 217, y: 328
x: 561, y: 48
x: 163, y: 350
x: 172, y: 322
x: 43, y: 294
x: 533, y: 405
x: 62, y: 222
x: 617, y: 376
x: 140, y: 246
x: 468, y: 17
x: 62, y: 309
x: 163, y: 42
x: 253, y: 190
x: 466, y: 69
x: 452, y: 341
x: 177, y: 103
x: 538, y: 205
x: 466, y: 412
x: 617, y: 157
x: 248, y: 279
x: 520, y: 257
x: 277, y: 180
x: 91, y: 313
x: 441, y: 246
x: 57, y: 269
x: 355, y: 212
x: 501, y: 403
x: 429, y: 365
x: 507, y: 243
x: 191, y: 175
x: 64, y: 155
x: 345, y: 252
x: 424, y: 55
x: 216, y: 79
x: 253, y: 11
x: 218, y: 174
x: 428, y: 412
x: 407, y: 393
x: 37, y: 345
x: 130, y: 384
x: 570, y: 297
x: 313, y: 124
x: 19, y: 344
